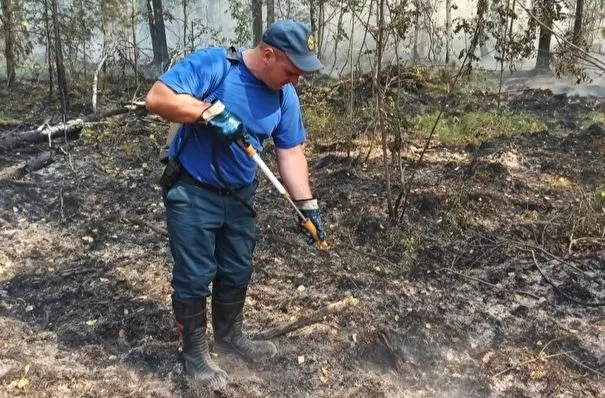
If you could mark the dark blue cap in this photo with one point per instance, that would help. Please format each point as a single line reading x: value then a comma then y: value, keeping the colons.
x: 296, y: 40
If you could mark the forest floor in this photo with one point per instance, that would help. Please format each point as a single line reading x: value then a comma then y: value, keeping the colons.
x: 451, y: 301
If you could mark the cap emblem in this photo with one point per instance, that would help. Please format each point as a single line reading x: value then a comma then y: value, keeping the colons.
x: 311, y: 43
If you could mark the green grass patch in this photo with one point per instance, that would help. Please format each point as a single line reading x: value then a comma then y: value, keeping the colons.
x: 476, y: 127
x: 594, y: 118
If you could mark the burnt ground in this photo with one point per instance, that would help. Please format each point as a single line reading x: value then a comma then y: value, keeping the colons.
x: 451, y: 300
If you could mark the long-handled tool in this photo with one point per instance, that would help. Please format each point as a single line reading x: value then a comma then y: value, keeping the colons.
x: 304, y: 221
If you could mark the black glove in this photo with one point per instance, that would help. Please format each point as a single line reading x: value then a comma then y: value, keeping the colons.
x: 310, y: 210
x: 223, y: 123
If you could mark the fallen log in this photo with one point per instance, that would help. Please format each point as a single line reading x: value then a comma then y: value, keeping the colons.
x: 45, y: 132
x: 310, y: 319
x: 33, y: 164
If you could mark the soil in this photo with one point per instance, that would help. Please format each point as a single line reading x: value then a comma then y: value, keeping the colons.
x: 452, y: 300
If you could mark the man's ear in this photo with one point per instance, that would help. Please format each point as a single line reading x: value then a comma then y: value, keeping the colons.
x: 269, y: 54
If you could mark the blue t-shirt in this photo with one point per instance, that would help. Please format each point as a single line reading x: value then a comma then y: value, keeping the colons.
x: 207, y: 75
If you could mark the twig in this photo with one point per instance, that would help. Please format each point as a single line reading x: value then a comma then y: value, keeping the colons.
x: 140, y: 221
x: 588, y: 239
x: 309, y: 319
x: 374, y: 256
x: 559, y: 259
x: 562, y: 293
x: 584, y: 366
x: 526, y: 293
x: 61, y: 203
x: 531, y: 361
x: 470, y: 278
x: 552, y: 341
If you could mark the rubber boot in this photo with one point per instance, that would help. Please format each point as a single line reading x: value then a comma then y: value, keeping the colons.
x: 227, y: 321
x: 191, y: 323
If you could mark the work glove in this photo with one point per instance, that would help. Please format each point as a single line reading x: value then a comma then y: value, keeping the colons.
x: 310, y: 210
x: 223, y: 123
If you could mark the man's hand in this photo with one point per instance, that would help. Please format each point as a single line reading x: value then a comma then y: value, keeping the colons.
x: 225, y: 125
x: 310, y: 210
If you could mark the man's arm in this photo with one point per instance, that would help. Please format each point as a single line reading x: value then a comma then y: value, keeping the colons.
x: 179, y: 108
x: 294, y: 171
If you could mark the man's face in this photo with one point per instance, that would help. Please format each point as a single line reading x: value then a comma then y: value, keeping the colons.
x: 280, y: 70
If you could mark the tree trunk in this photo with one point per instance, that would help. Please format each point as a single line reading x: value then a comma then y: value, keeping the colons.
x: 320, y: 28
x: 9, y: 40
x: 49, y: 52
x: 313, y: 19
x: 448, y: 29
x: 257, y: 21
x: 543, y: 59
x: 336, y: 37
x: 185, y: 22
x: 270, y: 12
x: 61, y: 79
x: 415, y: 54
x: 379, y: 104
x: 157, y: 31
x: 135, y: 49
x: 577, y: 23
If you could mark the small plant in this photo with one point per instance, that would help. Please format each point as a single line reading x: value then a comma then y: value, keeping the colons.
x: 558, y: 182
x: 599, y: 198
x: 457, y: 216
x: 409, y: 244
x: 319, y: 120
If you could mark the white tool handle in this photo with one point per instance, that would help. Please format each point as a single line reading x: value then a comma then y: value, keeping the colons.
x: 269, y: 174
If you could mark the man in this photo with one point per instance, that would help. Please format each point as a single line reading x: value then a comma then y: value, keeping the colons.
x: 211, y: 183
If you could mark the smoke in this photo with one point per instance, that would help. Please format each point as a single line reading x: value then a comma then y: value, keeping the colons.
x: 564, y: 85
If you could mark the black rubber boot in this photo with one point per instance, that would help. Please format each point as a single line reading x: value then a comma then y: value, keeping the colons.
x: 227, y: 321
x: 191, y: 323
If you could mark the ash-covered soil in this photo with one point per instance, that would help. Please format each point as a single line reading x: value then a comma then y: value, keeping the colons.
x: 453, y: 300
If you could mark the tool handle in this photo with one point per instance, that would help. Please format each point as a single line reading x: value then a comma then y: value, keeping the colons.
x: 310, y: 227
x: 305, y: 222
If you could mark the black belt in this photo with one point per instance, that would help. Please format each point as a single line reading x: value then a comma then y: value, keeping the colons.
x: 188, y: 179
